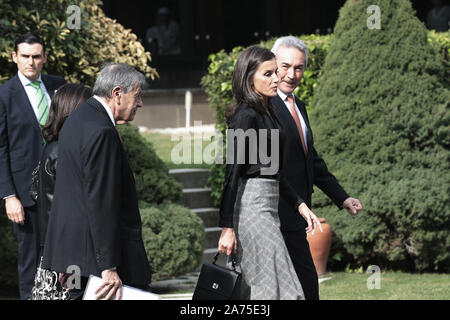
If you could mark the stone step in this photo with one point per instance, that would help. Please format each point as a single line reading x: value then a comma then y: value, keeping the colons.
x: 185, y: 282
x: 210, y: 216
x: 177, y: 296
x: 194, y: 198
x: 212, y: 236
x: 191, y: 178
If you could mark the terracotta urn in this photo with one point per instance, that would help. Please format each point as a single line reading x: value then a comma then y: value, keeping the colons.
x: 320, y: 244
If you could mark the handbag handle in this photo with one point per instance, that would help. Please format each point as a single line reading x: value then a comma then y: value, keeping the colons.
x: 233, y: 261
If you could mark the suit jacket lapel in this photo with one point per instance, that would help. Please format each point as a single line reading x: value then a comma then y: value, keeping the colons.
x: 24, y: 103
x: 48, y: 85
x: 286, y: 119
x: 309, y: 137
x: 127, y: 167
x: 99, y: 107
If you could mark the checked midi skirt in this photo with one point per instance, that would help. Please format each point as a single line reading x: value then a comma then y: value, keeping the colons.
x: 262, y: 255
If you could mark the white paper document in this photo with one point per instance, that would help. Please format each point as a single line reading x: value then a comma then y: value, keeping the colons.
x: 128, y: 293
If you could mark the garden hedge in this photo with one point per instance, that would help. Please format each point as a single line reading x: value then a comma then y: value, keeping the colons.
x: 378, y: 105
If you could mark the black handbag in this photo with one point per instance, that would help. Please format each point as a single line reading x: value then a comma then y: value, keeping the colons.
x: 216, y: 282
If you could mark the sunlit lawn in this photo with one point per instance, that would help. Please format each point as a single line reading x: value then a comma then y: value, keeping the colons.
x: 164, y: 146
x: 393, y: 286
x: 353, y: 286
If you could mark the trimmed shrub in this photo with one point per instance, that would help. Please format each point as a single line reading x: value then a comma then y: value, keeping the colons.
x: 76, y: 54
x: 173, y: 238
x: 153, y: 182
x: 380, y: 117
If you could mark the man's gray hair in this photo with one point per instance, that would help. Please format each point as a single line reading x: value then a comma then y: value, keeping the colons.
x: 291, y: 42
x: 117, y: 74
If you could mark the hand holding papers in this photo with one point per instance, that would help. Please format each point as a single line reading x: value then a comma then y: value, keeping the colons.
x: 128, y: 293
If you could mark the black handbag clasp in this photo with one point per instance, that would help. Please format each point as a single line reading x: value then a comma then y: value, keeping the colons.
x: 233, y: 260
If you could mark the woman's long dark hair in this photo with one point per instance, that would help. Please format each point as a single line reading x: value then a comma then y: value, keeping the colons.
x: 242, y: 84
x: 66, y: 99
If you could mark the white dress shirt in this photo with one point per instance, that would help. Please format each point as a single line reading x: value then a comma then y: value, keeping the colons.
x: 31, y: 92
x: 107, y: 108
x: 283, y: 97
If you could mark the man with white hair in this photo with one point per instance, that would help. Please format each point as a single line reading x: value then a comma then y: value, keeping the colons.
x: 302, y: 166
x: 95, y: 222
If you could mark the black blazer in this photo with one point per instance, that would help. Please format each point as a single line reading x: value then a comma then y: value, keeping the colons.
x: 248, y: 119
x: 95, y: 221
x: 302, y: 171
x: 21, y: 141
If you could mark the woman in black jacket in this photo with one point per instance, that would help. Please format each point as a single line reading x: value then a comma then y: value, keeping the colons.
x: 65, y: 100
x: 253, y: 180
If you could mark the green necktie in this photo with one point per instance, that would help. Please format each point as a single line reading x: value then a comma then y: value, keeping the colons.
x: 42, y: 102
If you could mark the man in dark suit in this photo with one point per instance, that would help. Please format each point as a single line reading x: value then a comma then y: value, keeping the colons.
x: 302, y: 166
x: 24, y: 106
x: 95, y: 222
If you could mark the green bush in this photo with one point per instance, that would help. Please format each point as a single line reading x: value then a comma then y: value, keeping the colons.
x: 76, y: 54
x: 217, y: 84
x: 380, y: 117
x: 173, y: 238
x: 153, y: 182
x: 440, y: 41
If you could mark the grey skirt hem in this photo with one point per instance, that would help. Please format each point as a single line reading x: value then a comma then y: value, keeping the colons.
x: 262, y: 255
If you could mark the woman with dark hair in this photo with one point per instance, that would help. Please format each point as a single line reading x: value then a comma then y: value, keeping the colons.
x: 249, y: 206
x: 65, y: 100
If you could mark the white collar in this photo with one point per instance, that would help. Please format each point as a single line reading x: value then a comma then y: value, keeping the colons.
x: 283, y: 95
x: 107, y: 108
x: 25, y: 81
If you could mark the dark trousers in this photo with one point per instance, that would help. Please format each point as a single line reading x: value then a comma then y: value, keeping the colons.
x: 298, y: 249
x: 28, y: 244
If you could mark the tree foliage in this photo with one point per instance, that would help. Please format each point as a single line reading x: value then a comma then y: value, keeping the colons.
x: 75, y: 53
